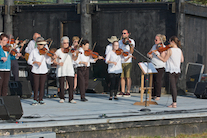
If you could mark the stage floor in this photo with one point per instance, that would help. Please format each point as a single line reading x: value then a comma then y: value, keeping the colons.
x: 98, y: 110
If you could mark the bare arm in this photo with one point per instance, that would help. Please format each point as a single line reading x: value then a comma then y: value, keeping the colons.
x: 182, y: 57
x: 166, y: 57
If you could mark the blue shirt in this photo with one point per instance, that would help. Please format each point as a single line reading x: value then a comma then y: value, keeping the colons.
x: 7, y: 64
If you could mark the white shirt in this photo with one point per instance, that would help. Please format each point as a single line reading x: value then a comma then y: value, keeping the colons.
x: 108, y: 49
x: 32, y: 45
x: 174, y: 61
x: 74, y: 63
x: 155, y: 60
x: 82, y: 57
x: 17, y: 48
x: 35, y: 56
x: 67, y: 68
x: 126, y: 48
x: 112, y: 56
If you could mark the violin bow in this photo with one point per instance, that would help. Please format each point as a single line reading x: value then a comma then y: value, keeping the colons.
x: 80, y: 43
x: 46, y: 51
x: 94, y: 46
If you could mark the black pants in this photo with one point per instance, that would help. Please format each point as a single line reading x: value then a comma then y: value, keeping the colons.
x: 157, y: 82
x: 39, y: 84
x: 83, y: 77
x: 4, y: 80
x: 173, y: 78
x: 114, y: 79
x: 70, y: 81
x: 31, y: 76
x: 15, y: 69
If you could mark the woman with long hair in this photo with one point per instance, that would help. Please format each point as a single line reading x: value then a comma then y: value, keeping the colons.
x: 173, y: 59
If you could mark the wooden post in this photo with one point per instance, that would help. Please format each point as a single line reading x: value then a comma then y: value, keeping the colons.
x: 8, y: 20
x: 180, y: 23
x: 86, y: 23
x: 142, y: 86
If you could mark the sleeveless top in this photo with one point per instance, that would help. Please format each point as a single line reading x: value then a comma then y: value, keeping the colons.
x: 174, y: 61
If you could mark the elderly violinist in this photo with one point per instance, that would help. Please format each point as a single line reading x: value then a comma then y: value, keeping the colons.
x: 39, y: 69
x: 65, y: 69
x: 159, y: 65
x: 30, y: 46
x: 5, y: 64
x: 127, y: 45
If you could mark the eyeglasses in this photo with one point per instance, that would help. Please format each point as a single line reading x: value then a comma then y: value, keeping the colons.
x: 41, y: 44
x: 66, y: 43
x: 124, y: 33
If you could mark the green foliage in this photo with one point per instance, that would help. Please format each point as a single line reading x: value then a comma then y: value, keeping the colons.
x: 201, y: 2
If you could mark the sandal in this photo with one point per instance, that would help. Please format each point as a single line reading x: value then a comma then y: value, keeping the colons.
x: 157, y: 99
x: 173, y: 105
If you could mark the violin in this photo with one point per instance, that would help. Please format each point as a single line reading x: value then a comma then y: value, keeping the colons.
x: 121, y: 52
x: 12, y: 51
x: 66, y: 50
x: 127, y: 42
x: 160, y: 48
x: 91, y: 53
x: 50, y: 53
x: 9, y: 48
x: 71, y: 50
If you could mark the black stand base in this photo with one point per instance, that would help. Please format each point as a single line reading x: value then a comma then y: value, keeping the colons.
x: 145, y: 110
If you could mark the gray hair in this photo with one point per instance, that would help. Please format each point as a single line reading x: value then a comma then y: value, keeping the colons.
x: 63, y: 38
x: 40, y: 39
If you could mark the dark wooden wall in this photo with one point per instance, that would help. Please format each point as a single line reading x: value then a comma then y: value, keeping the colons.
x: 51, y: 21
x: 195, y: 39
x: 144, y: 21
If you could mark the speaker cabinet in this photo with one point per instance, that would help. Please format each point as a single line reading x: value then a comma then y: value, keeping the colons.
x: 21, y: 88
x: 96, y: 86
x: 10, y: 108
x: 200, y: 90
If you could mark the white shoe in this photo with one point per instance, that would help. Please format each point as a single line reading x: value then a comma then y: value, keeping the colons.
x: 61, y: 101
x: 73, y: 101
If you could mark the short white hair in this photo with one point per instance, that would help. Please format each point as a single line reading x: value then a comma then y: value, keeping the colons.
x: 65, y: 38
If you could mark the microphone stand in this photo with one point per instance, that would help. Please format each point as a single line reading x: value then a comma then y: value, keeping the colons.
x: 147, y: 81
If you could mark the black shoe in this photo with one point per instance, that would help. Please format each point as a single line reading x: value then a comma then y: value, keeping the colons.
x: 84, y: 100
x: 110, y: 98
x: 115, y: 98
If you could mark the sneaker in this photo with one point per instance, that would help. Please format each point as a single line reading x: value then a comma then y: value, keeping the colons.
x: 35, y: 103
x: 110, y: 98
x: 115, y: 98
x: 73, y: 101
x: 42, y: 102
x: 61, y: 101
x: 120, y: 94
x: 127, y: 95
